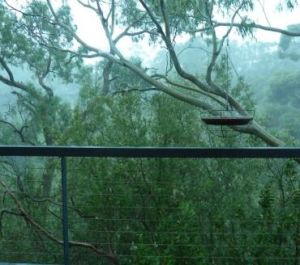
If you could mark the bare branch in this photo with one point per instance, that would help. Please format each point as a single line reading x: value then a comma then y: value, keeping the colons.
x: 264, y: 12
x: 135, y: 90
x: 43, y: 76
x: 23, y: 213
x: 7, y: 69
x: 112, y: 44
x: 152, y: 17
x: 165, y: 18
x: 20, y: 131
x: 76, y: 37
x: 127, y: 33
x: 230, y: 28
x: 29, y: 104
x: 95, y: 54
x: 249, y: 25
x: 87, y: 6
x: 192, y: 89
x: 217, y: 50
x: 188, y: 99
x: 13, y: 83
x: 131, y: 34
x: 106, y: 77
x: 173, y: 55
x: 113, y: 16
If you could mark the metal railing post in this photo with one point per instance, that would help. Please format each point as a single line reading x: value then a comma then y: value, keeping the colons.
x: 65, y: 223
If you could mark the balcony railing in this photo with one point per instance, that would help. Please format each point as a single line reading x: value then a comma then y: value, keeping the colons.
x: 65, y: 152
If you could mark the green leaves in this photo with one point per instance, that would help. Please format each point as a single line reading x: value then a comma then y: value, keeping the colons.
x: 32, y: 39
x: 289, y: 4
x: 267, y: 198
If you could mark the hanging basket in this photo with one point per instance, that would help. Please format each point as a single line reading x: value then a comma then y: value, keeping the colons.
x: 222, y: 123
x: 228, y: 121
x: 227, y: 118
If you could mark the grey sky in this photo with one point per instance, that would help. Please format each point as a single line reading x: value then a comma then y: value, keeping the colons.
x: 266, y: 13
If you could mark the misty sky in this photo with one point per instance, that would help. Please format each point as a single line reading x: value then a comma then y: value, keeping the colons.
x: 266, y: 13
x: 89, y: 28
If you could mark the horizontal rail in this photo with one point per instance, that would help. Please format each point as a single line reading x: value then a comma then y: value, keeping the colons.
x: 150, y: 152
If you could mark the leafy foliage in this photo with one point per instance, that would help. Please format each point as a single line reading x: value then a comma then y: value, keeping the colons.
x: 137, y: 211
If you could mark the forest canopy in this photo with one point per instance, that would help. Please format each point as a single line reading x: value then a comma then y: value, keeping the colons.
x: 41, y: 36
x: 66, y: 90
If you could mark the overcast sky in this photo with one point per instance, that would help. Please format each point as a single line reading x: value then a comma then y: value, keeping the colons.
x: 89, y: 27
x: 265, y: 13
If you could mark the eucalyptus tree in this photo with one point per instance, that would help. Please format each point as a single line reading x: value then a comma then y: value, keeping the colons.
x: 51, y: 31
x: 19, y: 48
x: 43, y: 38
x: 39, y: 116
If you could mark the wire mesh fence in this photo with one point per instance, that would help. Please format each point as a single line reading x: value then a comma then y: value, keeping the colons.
x: 151, y: 211
x: 27, y: 211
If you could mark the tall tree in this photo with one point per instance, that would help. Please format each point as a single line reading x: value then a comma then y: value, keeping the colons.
x: 43, y: 38
x: 161, y: 22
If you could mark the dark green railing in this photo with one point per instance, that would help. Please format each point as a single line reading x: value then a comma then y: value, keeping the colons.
x: 133, y: 152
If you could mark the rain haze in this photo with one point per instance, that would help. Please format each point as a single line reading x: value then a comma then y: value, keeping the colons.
x: 150, y: 132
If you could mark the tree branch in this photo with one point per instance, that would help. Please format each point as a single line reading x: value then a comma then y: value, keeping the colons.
x: 23, y: 213
x: 13, y: 83
x: 20, y: 131
x: 217, y: 50
x: 204, y: 93
x: 116, y: 56
x: 165, y: 18
x: 42, y: 76
x: 75, y: 36
x: 135, y: 90
x: 7, y: 69
x: 112, y: 15
x: 127, y: 33
x: 153, y: 19
x: 87, y: 6
x: 173, y: 55
x: 106, y: 77
x: 248, y: 25
x: 113, y: 49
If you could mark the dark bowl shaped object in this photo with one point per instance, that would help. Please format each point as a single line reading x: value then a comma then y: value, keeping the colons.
x: 229, y: 121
